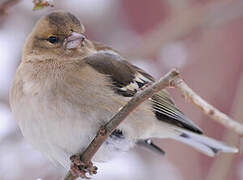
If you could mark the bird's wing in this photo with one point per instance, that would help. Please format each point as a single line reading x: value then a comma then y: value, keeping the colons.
x: 149, y: 144
x: 127, y: 79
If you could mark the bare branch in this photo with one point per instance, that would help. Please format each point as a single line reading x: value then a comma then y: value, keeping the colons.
x: 107, y: 129
x: 223, y: 165
x: 6, y: 5
x: 207, y: 108
x: 171, y: 79
x: 4, y: 101
x: 125, y: 111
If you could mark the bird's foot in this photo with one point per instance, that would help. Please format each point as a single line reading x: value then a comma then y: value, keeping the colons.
x: 80, y: 169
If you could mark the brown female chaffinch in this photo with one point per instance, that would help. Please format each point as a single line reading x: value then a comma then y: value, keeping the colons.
x: 67, y: 86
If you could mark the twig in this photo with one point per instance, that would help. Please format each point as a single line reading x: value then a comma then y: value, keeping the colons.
x: 4, y: 101
x: 107, y: 129
x: 207, y: 108
x: 170, y: 79
x: 185, y: 21
x: 6, y: 5
x: 222, y: 166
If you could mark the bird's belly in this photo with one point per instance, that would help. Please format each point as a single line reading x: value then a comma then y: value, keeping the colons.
x: 60, y: 129
x: 61, y: 122
x: 55, y: 134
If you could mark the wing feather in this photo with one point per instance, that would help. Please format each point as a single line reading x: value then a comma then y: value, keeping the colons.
x: 127, y: 79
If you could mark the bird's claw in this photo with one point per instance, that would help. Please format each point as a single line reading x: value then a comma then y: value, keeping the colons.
x: 80, y: 169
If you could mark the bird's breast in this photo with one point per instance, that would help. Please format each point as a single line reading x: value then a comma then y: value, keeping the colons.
x: 60, y: 112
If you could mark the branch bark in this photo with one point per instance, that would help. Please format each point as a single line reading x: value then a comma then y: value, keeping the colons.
x: 207, y: 108
x: 171, y: 79
x: 223, y: 166
x: 6, y: 5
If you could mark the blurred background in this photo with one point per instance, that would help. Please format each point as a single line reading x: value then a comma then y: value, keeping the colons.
x: 202, y: 38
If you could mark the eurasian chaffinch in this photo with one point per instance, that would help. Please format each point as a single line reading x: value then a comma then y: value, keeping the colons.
x: 67, y: 86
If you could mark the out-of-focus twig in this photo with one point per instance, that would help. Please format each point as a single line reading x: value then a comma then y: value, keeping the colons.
x: 171, y: 79
x: 6, y: 5
x: 224, y: 163
x: 207, y: 108
x: 184, y: 22
x: 4, y: 101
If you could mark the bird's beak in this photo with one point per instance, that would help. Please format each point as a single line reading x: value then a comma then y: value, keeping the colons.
x: 74, y: 41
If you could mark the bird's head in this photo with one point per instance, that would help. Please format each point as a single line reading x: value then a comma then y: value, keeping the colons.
x: 58, y: 34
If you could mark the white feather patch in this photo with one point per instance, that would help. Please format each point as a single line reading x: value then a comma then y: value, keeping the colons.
x: 133, y: 86
x: 140, y: 76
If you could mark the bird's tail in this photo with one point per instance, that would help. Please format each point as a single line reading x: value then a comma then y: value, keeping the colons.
x: 204, y: 144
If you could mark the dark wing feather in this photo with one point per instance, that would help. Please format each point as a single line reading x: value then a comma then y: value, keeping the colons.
x: 127, y: 79
x: 148, y: 143
x: 166, y: 110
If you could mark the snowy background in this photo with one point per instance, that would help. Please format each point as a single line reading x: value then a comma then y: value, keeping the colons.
x: 211, y: 61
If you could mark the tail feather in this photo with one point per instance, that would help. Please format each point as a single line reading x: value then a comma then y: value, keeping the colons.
x: 204, y: 144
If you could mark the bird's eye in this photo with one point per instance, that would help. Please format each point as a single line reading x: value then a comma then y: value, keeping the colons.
x: 53, y: 39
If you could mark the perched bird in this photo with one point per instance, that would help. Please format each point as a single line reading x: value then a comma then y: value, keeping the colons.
x: 67, y: 86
